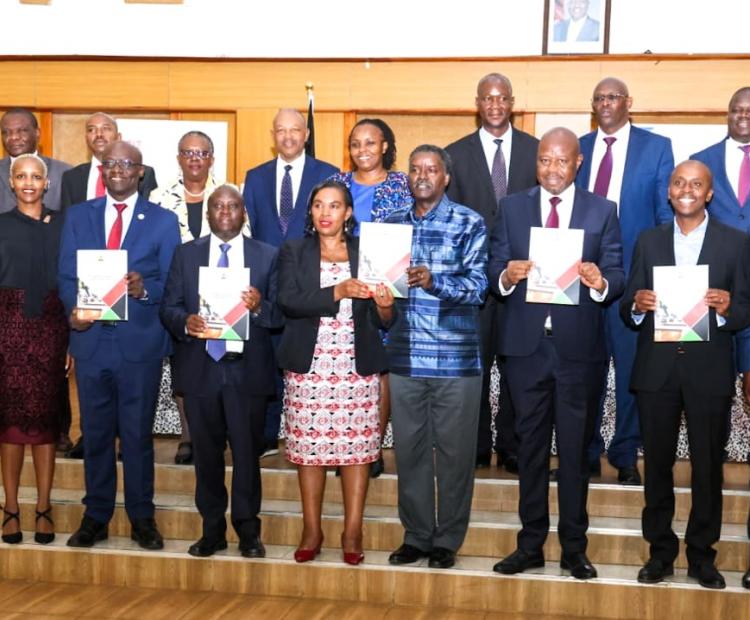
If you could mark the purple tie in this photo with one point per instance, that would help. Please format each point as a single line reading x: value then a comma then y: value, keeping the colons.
x: 218, y: 348
x: 605, y: 170
x: 499, y: 177
x: 744, y: 185
x: 286, y: 204
x: 553, y: 219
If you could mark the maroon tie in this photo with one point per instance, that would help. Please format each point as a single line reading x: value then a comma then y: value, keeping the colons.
x: 743, y: 189
x: 553, y: 219
x: 100, y: 189
x: 115, y: 233
x: 601, y: 186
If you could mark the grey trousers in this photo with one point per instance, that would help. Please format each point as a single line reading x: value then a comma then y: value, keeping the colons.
x: 434, y: 432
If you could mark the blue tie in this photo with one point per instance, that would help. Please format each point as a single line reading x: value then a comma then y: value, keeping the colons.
x: 217, y: 348
x: 286, y: 204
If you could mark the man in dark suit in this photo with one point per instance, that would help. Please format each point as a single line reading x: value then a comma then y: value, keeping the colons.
x: 225, y: 398
x: 554, y: 354
x: 694, y: 377
x: 275, y: 195
x: 85, y: 181
x: 580, y: 27
x: 488, y: 164
x: 20, y: 134
x: 631, y: 167
x: 118, y: 363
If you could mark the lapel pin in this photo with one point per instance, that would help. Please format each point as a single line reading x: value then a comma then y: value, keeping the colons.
x: 141, y: 216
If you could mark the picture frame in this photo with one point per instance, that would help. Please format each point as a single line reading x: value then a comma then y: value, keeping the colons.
x: 576, y: 26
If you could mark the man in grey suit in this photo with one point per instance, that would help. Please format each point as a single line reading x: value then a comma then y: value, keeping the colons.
x: 20, y: 134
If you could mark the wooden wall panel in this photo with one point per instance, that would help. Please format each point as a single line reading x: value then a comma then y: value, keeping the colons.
x: 254, y: 143
x: 231, y: 121
x: 330, y: 137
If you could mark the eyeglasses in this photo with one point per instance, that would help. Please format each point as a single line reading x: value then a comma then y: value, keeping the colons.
x: 611, y: 97
x: 189, y: 154
x: 503, y: 99
x: 124, y: 164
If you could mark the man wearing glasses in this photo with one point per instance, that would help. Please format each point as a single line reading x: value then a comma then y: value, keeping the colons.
x: 631, y: 167
x: 118, y: 363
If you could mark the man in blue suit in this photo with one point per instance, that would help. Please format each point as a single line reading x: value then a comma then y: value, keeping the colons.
x: 580, y: 27
x: 555, y: 357
x: 118, y: 364
x: 631, y: 167
x: 276, y: 194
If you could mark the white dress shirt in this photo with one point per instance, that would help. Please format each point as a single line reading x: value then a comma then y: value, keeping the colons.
x: 733, y: 162
x: 110, y: 215
x: 93, y: 178
x: 235, y: 258
x: 298, y: 166
x: 490, y: 148
x: 619, y: 154
x: 574, y: 28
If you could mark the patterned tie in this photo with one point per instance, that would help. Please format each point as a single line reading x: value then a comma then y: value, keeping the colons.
x: 499, y: 176
x: 744, y: 184
x: 605, y: 170
x: 286, y: 204
x: 553, y: 219
x: 217, y: 348
x: 115, y: 233
x: 100, y: 189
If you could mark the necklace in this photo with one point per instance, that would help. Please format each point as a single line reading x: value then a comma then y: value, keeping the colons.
x: 189, y: 193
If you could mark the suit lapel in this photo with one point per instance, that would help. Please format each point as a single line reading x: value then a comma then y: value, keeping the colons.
x: 137, y: 223
x: 720, y: 173
x: 5, y: 177
x: 706, y: 256
x: 587, y: 149
x: 479, y: 163
x: 535, y: 214
x: 96, y: 218
x: 578, y: 213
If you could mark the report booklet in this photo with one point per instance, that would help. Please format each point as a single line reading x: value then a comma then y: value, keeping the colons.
x: 681, y: 311
x: 384, y: 255
x: 220, y: 305
x: 556, y: 253
x: 102, y: 289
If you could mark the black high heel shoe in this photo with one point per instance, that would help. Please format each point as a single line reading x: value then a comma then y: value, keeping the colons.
x: 17, y: 537
x: 44, y: 538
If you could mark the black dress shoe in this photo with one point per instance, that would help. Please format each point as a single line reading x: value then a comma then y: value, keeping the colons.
x: 578, y: 565
x: 746, y: 580
x: 519, y: 561
x: 76, y: 452
x: 654, y: 571
x: 553, y: 473
x: 595, y: 469
x: 89, y: 532
x: 144, y: 532
x: 407, y: 554
x: 440, y: 557
x: 251, y: 547
x: 707, y: 576
x: 206, y: 547
x: 184, y: 455
x: 510, y: 463
x: 628, y: 476
x: 484, y: 460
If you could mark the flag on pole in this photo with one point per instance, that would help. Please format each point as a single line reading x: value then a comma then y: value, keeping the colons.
x: 310, y: 145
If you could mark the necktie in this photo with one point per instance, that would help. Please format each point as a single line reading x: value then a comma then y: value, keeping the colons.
x: 499, y: 176
x: 601, y: 186
x: 115, y: 233
x: 286, y: 204
x: 217, y: 348
x: 743, y: 189
x: 553, y: 219
x: 100, y: 190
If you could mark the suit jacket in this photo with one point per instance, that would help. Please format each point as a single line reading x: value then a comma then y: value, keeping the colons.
x: 304, y: 302
x: 52, y: 199
x: 150, y: 241
x: 727, y: 252
x: 181, y: 299
x: 261, y: 202
x: 643, y: 199
x: 589, y: 32
x: 471, y: 184
x: 76, y: 180
x: 578, y: 330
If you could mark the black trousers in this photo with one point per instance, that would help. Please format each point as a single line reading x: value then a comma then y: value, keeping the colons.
x: 506, y: 442
x: 707, y: 417
x: 227, y: 414
x: 548, y: 391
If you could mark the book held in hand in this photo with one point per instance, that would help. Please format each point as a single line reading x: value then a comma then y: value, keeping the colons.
x: 556, y: 254
x: 220, y: 291
x: 102, y: 289
x: 384, y: 256
x: 681, y: 311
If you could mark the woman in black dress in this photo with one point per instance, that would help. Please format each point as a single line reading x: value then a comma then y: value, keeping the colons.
x: 33, y: 344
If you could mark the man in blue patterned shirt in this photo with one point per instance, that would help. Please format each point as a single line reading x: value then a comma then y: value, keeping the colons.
x: 435, y: 364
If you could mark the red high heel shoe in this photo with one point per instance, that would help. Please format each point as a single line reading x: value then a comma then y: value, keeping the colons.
x: 306, y: 555
x: 351, y: 557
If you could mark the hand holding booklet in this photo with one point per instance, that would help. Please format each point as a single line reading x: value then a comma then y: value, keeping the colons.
x: 220, y: 304
x: 556, y: 254
x: 102, y: 288
x: 384, y: 255
x: 681, y: 311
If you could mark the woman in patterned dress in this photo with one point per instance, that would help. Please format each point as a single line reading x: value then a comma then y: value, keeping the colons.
x: 332, y: 354
x: 377, y: 191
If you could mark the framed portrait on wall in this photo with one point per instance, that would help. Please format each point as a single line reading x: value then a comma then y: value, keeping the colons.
x: 576, y: 26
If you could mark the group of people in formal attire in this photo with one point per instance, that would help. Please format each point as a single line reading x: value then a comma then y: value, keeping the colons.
x: 336, y: 358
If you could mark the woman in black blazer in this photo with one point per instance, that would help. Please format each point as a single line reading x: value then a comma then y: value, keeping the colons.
x: 332, y: 355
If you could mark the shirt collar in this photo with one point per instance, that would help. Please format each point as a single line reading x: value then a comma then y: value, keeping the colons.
x: 12, y: 159
x: 299, y: 161
x: 486, y: 136
x: 699, y: 230
x: 430, y: 215
x: 620, y: 134
x: 734, y: 143
x: 130, y: 200
x: 234, y: 241
x: 567, y: 196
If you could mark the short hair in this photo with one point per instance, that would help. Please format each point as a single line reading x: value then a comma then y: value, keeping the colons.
x: 227, y: 186
x: 109, y: 117
x: 389, y: 157
x: 349, y: 225
x: 29, y: 156
x: 436, y: 150
x: 745, y: 90
x: 24, y: 112
x: 195, y: 133
x: 495, y: 77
